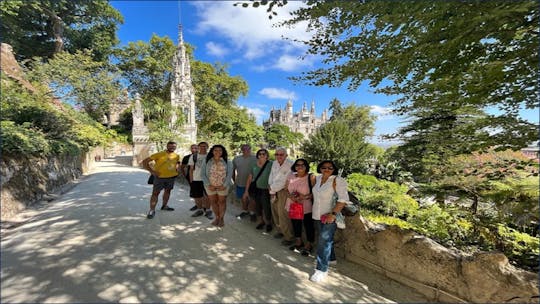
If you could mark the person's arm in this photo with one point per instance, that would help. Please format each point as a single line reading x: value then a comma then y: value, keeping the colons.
x: 233, y: 172
x: 191, y: 164
x: 146, y: 165
x: 248, y: 183
x: 204, y: 176
x: 343, y: 198
x: 230, y: 174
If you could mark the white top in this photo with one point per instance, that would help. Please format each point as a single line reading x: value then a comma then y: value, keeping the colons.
x: 323, y: 196
x: 278, y: 175
x: 197, y: 172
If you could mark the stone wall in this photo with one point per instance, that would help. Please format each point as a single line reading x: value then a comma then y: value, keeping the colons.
x: 442, y: 274
x: 28, y: 180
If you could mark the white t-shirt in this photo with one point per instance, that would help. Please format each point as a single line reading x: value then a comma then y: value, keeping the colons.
x: 197, y: 172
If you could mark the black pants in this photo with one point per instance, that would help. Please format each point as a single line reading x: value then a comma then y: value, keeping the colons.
x: 308, y: 225
x: 262, y: 204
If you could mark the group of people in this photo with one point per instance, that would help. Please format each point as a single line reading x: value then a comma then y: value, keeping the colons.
x: 279, y: 194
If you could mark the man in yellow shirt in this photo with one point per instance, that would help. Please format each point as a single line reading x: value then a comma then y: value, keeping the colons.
x: 165, y: 171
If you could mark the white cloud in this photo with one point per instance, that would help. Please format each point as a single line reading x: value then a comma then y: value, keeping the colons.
x: 258, y: 113
x: 383, y: 113
x: 249, y: 29
x: 290, y: 63
x: 275, y: 93
x: 216, y: 49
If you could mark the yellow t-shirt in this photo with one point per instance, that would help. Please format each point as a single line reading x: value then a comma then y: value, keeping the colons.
x: 166, y: 163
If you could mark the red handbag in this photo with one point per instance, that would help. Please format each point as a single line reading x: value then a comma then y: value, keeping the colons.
x: 296, y: 211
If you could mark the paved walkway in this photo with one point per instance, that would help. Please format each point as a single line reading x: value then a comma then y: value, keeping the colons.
x: 94, y: 244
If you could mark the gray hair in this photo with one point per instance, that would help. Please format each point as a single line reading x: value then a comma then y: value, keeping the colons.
x: 282, y: 149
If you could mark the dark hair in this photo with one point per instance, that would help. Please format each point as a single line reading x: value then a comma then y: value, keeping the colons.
x: 335, y: 172
x: 259, y: 152
x: 211, y: 153
x: 306, y: 164
x: 171, y: 143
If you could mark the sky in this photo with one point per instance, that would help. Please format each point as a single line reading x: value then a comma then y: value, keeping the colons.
x: 247, y: 42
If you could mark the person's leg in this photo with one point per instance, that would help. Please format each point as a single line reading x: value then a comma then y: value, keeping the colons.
x: 285, y: 224
x: 310, y: 234
x: 213, y: 200
x: 166, y: 195
x: 297, y: 228
x: 267, y: 209
x: 274, y: 207
x: 259, y: 209
x: 154, y: 199
x: 222, y: 204
x: 324, y: 248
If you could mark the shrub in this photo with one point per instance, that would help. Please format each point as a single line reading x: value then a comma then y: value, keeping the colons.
x: 386, y: 197
x: 449, y: 226
x: 519, y: 247
x: 22, y: 139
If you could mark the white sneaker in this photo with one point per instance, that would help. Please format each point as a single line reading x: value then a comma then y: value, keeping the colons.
x: 334, y: 262
x: 318, y: 276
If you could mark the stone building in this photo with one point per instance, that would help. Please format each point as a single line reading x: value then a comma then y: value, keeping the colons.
x: 305, y: 121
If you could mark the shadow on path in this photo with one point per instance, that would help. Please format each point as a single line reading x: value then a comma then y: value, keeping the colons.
x: 94, y: 244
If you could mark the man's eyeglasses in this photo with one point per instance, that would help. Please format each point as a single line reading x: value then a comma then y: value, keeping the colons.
x: 280, y: 154
x: 327, y: 168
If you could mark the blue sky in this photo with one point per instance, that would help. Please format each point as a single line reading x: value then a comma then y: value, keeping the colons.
x: 245, y: 40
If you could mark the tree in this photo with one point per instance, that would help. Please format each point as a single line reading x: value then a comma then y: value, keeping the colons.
x: 148, y: 68
x: 333, y: 139
x: 47, y: 27
x: 78, y: 79
x: 474, y: 175
x: 278, y: 135
x: 438, y: 55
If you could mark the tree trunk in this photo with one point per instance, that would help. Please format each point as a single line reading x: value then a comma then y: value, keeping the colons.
x: 57, y: 28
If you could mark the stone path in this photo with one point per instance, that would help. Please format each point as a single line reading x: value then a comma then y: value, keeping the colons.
x: 94, y: 244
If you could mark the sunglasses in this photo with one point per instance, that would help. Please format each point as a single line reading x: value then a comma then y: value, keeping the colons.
x: 327, y: 168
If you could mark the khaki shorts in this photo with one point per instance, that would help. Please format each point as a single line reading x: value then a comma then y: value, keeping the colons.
x: 224, y: 192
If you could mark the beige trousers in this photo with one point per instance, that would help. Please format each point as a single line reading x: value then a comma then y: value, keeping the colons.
x: 280, y: 216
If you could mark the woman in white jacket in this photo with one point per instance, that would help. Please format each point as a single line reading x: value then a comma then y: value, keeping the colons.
x: 329, y: 197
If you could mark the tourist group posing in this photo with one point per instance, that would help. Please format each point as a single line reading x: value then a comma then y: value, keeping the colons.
x: 280, y: 194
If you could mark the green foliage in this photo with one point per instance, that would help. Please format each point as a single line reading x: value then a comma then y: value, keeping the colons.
x: 33, y: 125
x: 22, y: 140
x: 332, y: 140
x: 78, y: 79
x: 519, y: 247
x: 448, y: 226
x: 278, y: 135
x: 385, y: 219
x: 43, y: 28
x: 383, y: 196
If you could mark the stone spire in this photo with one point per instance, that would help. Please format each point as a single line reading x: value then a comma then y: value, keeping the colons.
x: 182, y: 92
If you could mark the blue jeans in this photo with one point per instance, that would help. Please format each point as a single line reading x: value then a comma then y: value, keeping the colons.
x: 325, y: 246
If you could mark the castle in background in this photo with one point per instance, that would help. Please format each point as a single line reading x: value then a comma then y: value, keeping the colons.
x: 305, y: 122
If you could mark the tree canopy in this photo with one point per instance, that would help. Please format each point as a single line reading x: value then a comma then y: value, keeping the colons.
x: 46, y: 27
x: 78, y: 79
x: 439, y: 56
x: 333, y: 139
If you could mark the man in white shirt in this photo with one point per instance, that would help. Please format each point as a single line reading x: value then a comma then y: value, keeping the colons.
x: 281, y: 168
x: 197, y: 187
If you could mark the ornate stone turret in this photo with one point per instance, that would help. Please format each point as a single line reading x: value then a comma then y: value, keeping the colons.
x: 141, y: 148
x: 289, y: 110
x: 183, y: 93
